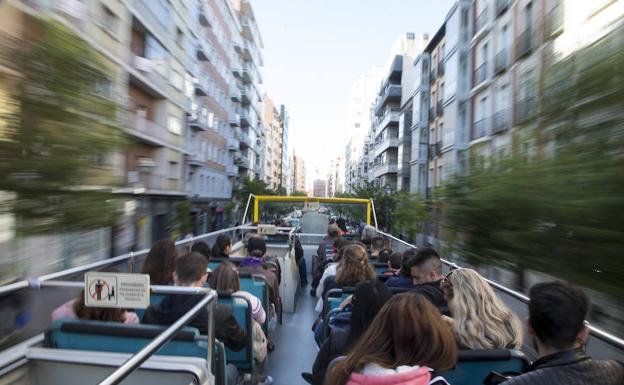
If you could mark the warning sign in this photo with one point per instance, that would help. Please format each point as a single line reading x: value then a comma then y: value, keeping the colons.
x: 129, y: 291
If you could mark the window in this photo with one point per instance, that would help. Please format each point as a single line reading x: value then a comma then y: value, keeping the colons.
x: 174, y: 125
x: 173, y: 170
x: 188, y: 85
x: 104, y: 88
x: 357, y: 125
x: 211, y: 120
x: 157, y: 54
x: 177, y: 80
x: 504, y: 37
x: 110, y: 21
x: 179, y: 37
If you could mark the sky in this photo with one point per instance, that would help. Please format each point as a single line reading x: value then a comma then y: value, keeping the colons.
x: 315, y: 49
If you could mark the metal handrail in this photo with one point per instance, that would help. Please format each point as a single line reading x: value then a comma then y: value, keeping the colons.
x: 597, y: 332
x: 141, y: 356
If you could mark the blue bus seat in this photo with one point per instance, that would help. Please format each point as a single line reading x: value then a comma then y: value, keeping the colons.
x: 212, y: 265
x: 379, y: 267
x: 121, y: 338
x: 241, y: 308
x: 256, y: 284
x: 473, y: 366
x: 334, y: 297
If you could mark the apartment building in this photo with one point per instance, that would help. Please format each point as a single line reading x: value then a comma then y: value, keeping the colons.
x: 335, y: 182
x: 319, y: 187
x: 358, y: 122
x: 299, y: 173
x: 273, y: 145
x: 448, y: 56
x: 245, y: 67
x: 286, y: 171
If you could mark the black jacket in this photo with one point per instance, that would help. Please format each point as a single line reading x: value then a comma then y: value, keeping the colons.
x: 226, y: 329
x: 334, y: 346
x: 433, y: 293
x: 571, y: 367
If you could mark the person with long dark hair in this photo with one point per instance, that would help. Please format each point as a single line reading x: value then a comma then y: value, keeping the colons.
x: 222, y: 247
x: 160, y: 262
x: 405, y: 341
x: 366, y: 302
x: 202, y: 248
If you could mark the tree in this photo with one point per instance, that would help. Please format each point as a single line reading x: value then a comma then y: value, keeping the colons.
x: 57, y: 131
x: 299, y: 194
x: 409, y: 213
x: 384, y: 202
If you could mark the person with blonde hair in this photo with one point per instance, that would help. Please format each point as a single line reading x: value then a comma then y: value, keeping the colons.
x: 480, y: 320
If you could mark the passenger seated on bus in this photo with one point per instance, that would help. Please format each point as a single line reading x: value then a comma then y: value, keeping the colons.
x: 327, y: 247
x: 368, y: 233
x: 254, y: 263
x: 202, y: 248
x: 403, y: 279
x: 225, y: 278
x: 377, y: 245
x: 384, y: 255
x: 363, y: 306
x: 404, y: 353
x: 329, y: 268
x: 327, y: 253
x: 352, y: 269
x: 426, y: 271
x: 556, y: 322
x: 76, y: 308
x: 301, y: 263
x: 395, y: 262
x: 160, y: 262
x: 340, y: 222
x: 190, y: 271
x: 480, y: 319
x: 222, y: 247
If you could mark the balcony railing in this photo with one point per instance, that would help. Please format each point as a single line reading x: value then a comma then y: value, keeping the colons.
x: 234, y: 119
x: 480, y: 74
x: 387, y: 143
x: 481, y: 21
x: 391, y: 92
x: 385, y: 168
x: 501, y: 121
x: 232, y: 170
x: 389, y: 117
x: 524, y: 109
x: 553, y: 21
x: 501, y: 61
x: 501, y: 6
x: 147, y: 130
x: 245, y: 140
x: 480, y: 128
x: 198, y: 122
x: 235, y: 94
x: 524, y: 43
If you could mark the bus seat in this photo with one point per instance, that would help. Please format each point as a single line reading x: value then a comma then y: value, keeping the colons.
x: 380, y: 267
x: 114, y: 337
x: 256, y: 284
x: 241, y: 308
x: 473, y: 366
x: 212, y: 265
x: 334, y: 297
x: 219, y: 363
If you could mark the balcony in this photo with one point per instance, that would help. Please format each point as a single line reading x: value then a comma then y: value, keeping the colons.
x: 391, y: 93
x: 198, y: 122
x: 553, y: 21
x: 524, y: 43
x: 201, y: 84
x: 501, y: 6
x: 242, y: 161
x: 387, y: 143
x: 236, y: 70
x: 245, y: 119
x: 203, y: 52
x: 397, y: 68
x: 248, y: 74
x: 480, y: 74
x: 204, y: 15
x: 385, y: 168
x: 147, y: 131
x: 231, y: 170
x: 235, y: 94
x: 501, y: 61
x: 441, y: 69
x: 524, y: 109
x: 481, y: 21
x: 390, y: 117
x: 151, y: 70
x: 197, y: 158
x: 501, y: 121
x: 245, y: 98
x: 435, y: 150
x: 234, y: 119
x: 480, y: 128
x: 245, y: 140
x: 232, y: 143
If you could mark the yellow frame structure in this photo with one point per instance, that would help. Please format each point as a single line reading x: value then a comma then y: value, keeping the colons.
x: 279, y: 198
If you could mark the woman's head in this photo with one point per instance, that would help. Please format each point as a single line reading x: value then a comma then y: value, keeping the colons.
x: 160, y: 262
x: 97, y: 313
x: 368, y: 233
x: 225, y: 278
x: 222, y: 246
x: 202, y: 248
x: 368, y: 298
x: 353, y: 266
x: 406, y: 331
x: 256, y: 246
x: 481, y: 319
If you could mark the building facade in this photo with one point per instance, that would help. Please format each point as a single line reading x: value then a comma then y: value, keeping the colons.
x: 319, y: 188
x: 274, y: 145
x: 299, y: 174
x: 335, y: 182
x: 286, y: 172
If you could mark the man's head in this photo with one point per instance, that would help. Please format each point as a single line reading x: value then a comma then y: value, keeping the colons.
x: 377, y: 244
x: 425, y: 266
x: 256, y: 246
x: 556, y: 316
x: 395, y: 261
x: 191, y: 270
x: 334, y: 231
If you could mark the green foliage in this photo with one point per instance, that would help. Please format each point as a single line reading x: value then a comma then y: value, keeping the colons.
x: 56, y: 132
x: 559, y: 209
x: 299, y: 194
x: 181, y: 221
x: 409, y: 213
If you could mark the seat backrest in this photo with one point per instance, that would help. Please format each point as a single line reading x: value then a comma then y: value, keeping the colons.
x: 241, y: 308
x: 473, y: 366
x: 121, y: 338
x: 334, y: 297
x: 256, y: 284
x: 219, y: 363
x: 380, y: 267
